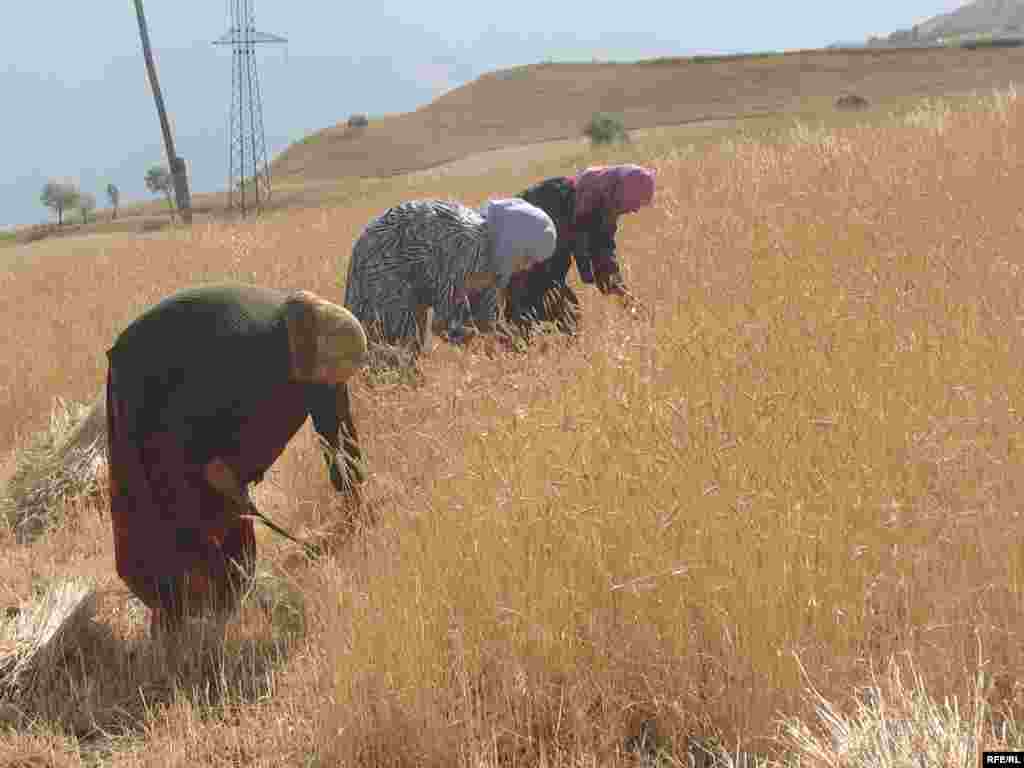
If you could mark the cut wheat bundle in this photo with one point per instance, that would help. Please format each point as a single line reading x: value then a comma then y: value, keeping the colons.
x: 62, y: 462
x: 42, y: 626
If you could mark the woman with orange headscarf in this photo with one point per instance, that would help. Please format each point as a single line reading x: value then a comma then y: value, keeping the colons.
x: 204, y: 391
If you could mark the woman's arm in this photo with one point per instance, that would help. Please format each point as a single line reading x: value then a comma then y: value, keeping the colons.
x: 596, y: 252
x: 331, y: 409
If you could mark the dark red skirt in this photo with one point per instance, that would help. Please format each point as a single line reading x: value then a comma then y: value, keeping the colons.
x: 178, y: 544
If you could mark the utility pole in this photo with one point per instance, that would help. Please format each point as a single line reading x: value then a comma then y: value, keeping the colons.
x: 178, y: 172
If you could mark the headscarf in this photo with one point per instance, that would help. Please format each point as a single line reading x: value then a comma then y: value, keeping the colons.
x: 522, y: 236
x: 618, y: 188
x: 322, y: 333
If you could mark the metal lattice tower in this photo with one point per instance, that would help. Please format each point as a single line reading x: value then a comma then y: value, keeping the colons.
x: 248, y: 167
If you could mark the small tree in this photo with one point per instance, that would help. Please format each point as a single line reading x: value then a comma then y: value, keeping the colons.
x: 86, y: 204
x: 60, y: 196
x: 159, y: 180
x: 604, y: 128
x: 114, y: 196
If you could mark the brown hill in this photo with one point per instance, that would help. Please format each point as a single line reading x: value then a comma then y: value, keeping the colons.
x: 554, y: 101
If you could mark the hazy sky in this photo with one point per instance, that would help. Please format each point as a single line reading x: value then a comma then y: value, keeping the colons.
x: 77, y: 103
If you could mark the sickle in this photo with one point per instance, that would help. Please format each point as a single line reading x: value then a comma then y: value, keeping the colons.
x: 223, y: 480
x: 312, y: 550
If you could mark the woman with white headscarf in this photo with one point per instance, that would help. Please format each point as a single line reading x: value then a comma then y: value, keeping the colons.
x: 428, y: 257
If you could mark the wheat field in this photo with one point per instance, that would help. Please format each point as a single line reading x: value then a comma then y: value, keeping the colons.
x: 776, y: 516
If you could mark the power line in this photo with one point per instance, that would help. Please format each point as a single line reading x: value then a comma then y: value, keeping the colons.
x: 248, y: 166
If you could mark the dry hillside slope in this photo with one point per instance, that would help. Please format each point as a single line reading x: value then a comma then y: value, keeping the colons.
x: 979, y: 17
x: 554, y: 101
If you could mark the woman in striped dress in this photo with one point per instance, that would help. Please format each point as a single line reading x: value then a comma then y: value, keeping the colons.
x: 586, y: 209
x: 428, y: 257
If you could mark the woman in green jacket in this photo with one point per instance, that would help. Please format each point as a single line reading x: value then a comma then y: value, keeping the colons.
x: 204, y: 391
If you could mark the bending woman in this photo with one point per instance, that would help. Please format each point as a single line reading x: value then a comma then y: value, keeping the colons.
x: 204, y: 391
x: 586, y: 209
x: 429, y: 257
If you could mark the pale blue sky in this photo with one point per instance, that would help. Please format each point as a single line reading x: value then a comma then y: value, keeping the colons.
x: 76, y: 102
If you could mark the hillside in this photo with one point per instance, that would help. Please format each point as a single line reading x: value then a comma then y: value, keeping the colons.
x: 554, y: 101
x: 982, y: 18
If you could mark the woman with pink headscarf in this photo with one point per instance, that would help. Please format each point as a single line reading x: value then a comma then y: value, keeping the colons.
x: 585, y: 209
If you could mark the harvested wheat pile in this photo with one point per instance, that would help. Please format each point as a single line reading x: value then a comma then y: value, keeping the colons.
x: 35, y: 635
x: 61, y: 463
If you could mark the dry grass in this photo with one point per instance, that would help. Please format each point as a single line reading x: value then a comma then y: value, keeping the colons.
x: 806, y: 460
x: 895, y: 724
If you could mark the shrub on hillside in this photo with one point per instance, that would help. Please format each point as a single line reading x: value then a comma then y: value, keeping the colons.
x: 114, y: 196
x: 150, y: 225
x: 851, y: 101
x: 86, y: 205
x: 605, y: 128
x: 358, y: 120
x: 36, y: 232
x: 60, y: 196
x: 159, y: 180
